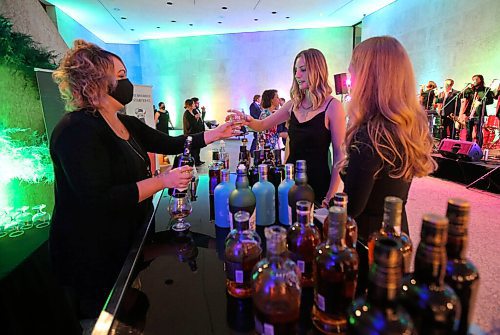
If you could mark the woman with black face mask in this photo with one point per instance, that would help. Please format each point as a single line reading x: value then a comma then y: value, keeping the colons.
x: 103, y: 181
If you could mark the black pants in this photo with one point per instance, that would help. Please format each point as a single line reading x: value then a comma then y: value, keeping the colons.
x: 196, y: 155
x: 448, y: 126
x: 470, y: 127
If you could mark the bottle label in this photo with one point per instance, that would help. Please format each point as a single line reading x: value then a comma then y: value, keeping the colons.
x: 235, y: 272
x: 268, y: 329
x: 301, y: 265
x: 320, y: 302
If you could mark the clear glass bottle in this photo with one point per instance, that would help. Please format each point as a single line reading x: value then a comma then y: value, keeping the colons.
x: 264, y: 195
x: 335, y: 271
x: 301, y: 190
x: 223, y: 217
x: 302, y: 238
x: 276, y: 287
x: 242, y: 197
x: 180, y: 160
x: 380, y: 312
x: 391, y: 226
x: 285, y: 211
x: 242, y: 251
x: 461, y: 273
x: 224, y: 155
x: 340, y: 199
x: 433, y: 305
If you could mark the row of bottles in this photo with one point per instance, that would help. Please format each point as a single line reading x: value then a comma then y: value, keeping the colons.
x: 438, y: 298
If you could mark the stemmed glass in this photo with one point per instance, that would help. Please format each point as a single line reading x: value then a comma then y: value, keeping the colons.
x: 14, y: 226
x: 42, y: 218
x: 179, y: 208
x: 24, y: 218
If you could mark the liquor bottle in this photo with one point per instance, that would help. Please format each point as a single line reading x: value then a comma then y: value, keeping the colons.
x: 224, y: 155
x: 244, y: 155
x: 301, y: 190
x: 391, y: 227
x: 223, y: 217
x: 302, y: 238
x: 214, y: 178
x: 335, y: 270
x: 264, y: 195
x: 380, y: 312
x: 253, y: 173
x: 285, y: 211
x: 276, y: 287
x: 461, y: 274
x: 243, y: 250
x: 433, y: 305
x: 242, y: 197
x: 276, y: 176
x: 180, y: 160
x: 340, y: 199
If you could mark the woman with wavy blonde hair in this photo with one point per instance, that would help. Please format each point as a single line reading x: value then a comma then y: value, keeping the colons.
x: 388, y: 141
x: 316, y: 120
x: 103, y: 179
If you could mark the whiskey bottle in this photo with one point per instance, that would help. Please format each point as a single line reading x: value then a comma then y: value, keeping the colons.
x: 340, y: 199
x: 264, y: 195
x: 335, y: 270
x: 242, y: 197
x: 302, y: 238
x: 242, y: 251
x: 276, y: 287
x: 391, y: 227
x: 244, y: 155
x: 461, y: 274
x: 285, y: 211
x: 301, y: 190
x: 433, y: 305
x: 380, y: 312
x: 181, y: 160
x: 223, y: 217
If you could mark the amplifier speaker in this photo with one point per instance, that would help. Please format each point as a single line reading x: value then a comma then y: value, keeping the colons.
x: 340, y: 83
x: 464, y: 150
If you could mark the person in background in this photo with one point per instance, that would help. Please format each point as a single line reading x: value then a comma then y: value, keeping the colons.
x: 162, y: 118
x: 427, y: 95
x: 477, y: 95
x: 255, y: 111
x: 387, y: 142
x: 202, y: 111
x: 450, y: 108
x: 315, y: 119
x: 103, y: 181
x: 282, y: 127
x: 193, y: 124
x: 270, y: 103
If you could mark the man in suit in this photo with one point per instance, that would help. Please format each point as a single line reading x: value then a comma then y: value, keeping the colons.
x: 255, y: 111
x: 450, y: 108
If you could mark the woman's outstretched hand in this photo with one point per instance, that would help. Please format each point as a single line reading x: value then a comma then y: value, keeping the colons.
x: 238, y: 117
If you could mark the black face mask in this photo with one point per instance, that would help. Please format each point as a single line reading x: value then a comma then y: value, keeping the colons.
x: 124, y: 91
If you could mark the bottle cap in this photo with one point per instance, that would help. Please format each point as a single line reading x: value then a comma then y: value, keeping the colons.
x: 225, y: 174
x: 434, y: 230
x: 301, y: 166
x: 458, y: 212
x: 242, y: 169
x: 303, y: 206
x: 289, y: 168
x: 340, y: 199
x: 263, y: 169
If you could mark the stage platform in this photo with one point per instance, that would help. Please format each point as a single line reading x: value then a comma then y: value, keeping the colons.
x: 464, y: 172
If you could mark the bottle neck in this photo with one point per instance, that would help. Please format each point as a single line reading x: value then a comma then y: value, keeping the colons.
x: 288, y: 175
x: 392, y: 222
x: 384, y: 284
x: 241, y: 226
x: 456, y: 247
x: 263, y: 176
x: 303, y: 217
x: 342, y: 204
x: 430, y: 264
x: 242, y: 181
x: 301, y: 178
x: 276, y: 248
x: 336, y: 234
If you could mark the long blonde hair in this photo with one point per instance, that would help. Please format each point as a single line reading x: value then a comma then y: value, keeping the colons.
x: 317, y: 77
x: 85, y: 75
x: 383, y: 98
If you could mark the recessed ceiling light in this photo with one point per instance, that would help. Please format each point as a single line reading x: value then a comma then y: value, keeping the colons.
x: 116, y: 9
x: 191, y: 24
x: 170, y: 3
x: 219, y: 22
x: 274, y: 12
x: 224, y: 7
x: 157, y: 27
x: 132, y: 29
x: 123, y: 18
x: 256, y: 19
x: 287, y: 17
x: 173, y: 21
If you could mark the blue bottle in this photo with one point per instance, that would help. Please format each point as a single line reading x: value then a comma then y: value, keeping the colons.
x: 285, y: 211
x: 264, y: 194
x: 223, y: 217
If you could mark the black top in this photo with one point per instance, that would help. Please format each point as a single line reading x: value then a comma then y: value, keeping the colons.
x: 451, y: 105
x: 475, y: 99
x: 163, y: 121
x: 310, y: 141
x: 366, y: 191
x: 96, y: 212
x: 191, y: 124
x: 428, y: 99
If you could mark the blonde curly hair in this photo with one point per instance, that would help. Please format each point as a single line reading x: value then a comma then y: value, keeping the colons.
x: 85, y: 75
x: 383, y: 98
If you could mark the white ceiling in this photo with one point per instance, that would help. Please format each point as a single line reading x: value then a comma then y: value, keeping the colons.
x: 129, y: 21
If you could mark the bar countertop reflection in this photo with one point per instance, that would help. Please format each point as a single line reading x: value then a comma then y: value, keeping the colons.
x: 177, y: 283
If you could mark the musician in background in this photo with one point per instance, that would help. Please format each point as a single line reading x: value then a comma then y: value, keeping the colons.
x: 450, y: 108
x: 427, y: 95
x: 475, y: 97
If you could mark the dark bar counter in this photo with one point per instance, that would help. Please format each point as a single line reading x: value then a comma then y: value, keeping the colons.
x: 174, y: 284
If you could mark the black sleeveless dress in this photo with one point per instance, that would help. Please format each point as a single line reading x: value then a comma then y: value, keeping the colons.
x: 310, y: 141
x: 162, y: 124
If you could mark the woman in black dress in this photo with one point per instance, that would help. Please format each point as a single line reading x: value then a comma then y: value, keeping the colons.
x: 316, y: 120
x: 162, y: 118
x: 103, y: 182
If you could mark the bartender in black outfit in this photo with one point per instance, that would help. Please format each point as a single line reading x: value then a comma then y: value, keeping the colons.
x: 450, y: 108
x: 475, y: 97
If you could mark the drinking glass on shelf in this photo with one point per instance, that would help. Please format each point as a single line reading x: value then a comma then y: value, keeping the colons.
x: 4, y: 222
x: 15, y: 226
x: 179, y: 208
x: 42, y: 218
x: 24, y: 218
